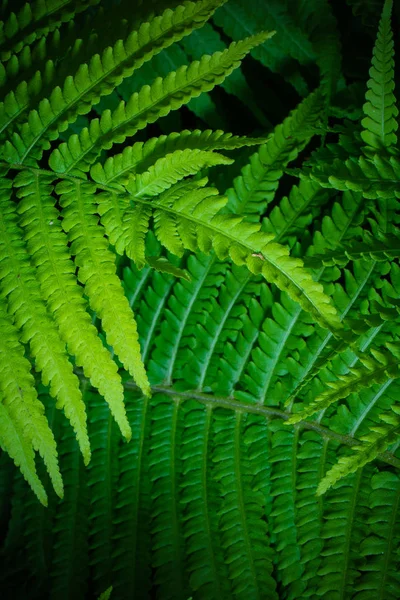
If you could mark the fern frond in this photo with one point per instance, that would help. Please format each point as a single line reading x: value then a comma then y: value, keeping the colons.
x: 172, y: 168
x: 258, y: 182
x: 131, y: 526
x: 96, y: 266
x: 19, y: 284
x: 185, y: 305
x: 143, y: 155
x: 21, y: 402
x: 379, y: 367
x: 376, y: 441
x: 375, y: 177
x: 135, y: 226
x: 59, y: 288
x: 192, y: 211
x: 102, y: 479
x: 380, y: 110
x: 100, y: 76
x: 387, y: 246
x: 208, y: 40
x: 13, y: 441
x: 150, y: 103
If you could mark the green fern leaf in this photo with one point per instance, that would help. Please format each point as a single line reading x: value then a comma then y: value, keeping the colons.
x: 375, y: 177
x: 195, y: 209
x: 135, y: 225
x: 59, y: 289
x: 380, y: 110
x: 150, y: 103
x: 375, y: 442
x: 258, y: 182
x: 96, y: 262
x: 172, y: 168
x: 20, y: 400
x: 141, y: 156
x: 375, y: 369
x: 106, y: 595
x: 25, y: 303
x: 13, y: 441
x: 100, y: 76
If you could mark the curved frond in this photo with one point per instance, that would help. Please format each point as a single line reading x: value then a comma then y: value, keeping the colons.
x: 377, y: 441
x: 19, y: 284
x: 149, y: 104
x: 45, y: 239
x: 380, y: 110
x: 100, y: 76
x: 13, y: 441
x: 375, y: 369
x: 97, y: 272
x: 172, y: 168
x: 255, y: 188
x: 21, y: 404
x: 143, y: 155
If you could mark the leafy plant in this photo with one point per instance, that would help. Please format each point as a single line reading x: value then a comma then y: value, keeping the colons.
x: 253, y: 310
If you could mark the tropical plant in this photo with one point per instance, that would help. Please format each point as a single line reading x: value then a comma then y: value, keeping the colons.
x: 183, y: 462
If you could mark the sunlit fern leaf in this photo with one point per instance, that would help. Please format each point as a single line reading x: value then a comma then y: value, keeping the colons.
x: 93, y: 257
x: 59, y: 288
x: 210, y: 40
x: 149, y: 104
x: 143, y: 155
x: 380, y: 110
x: 172, y: 168
x: 135, y: 225
x: 13, y: 441
x: 20, y: 403
x: 20, y: 286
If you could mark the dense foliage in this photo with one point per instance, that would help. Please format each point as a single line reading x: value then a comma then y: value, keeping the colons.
x: 199, y: 252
